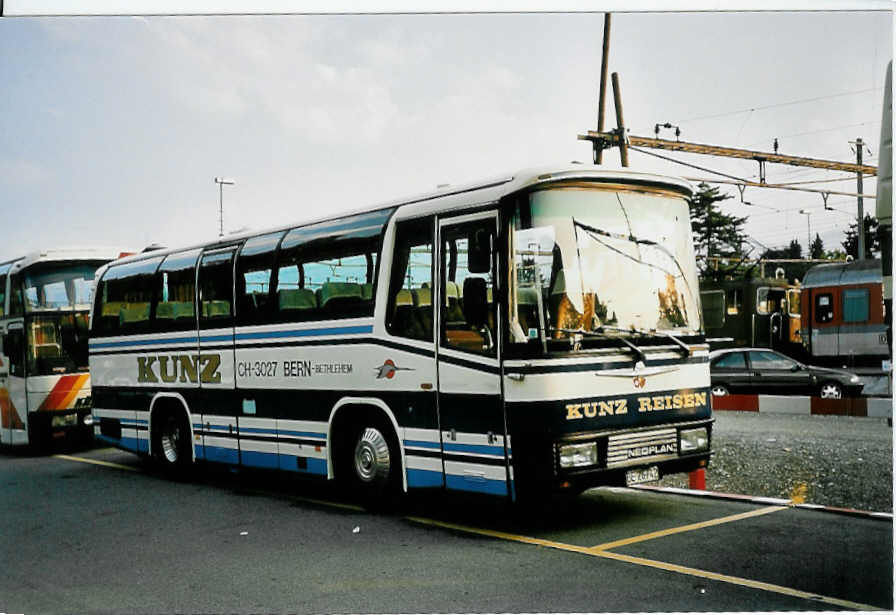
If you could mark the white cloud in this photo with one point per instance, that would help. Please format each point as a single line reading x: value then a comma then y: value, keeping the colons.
x: 22, y: 172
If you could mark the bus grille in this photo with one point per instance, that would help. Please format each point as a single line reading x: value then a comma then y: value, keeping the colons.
x: 629, y: 449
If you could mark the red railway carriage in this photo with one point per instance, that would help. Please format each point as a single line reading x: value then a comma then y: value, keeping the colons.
x: 843, y: 312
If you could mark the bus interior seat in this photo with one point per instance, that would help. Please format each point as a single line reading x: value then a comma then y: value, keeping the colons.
x: 296, y: 299
x: 527, y: 307
x: 453, y: 313
x: 134, y: 312
x: 215, y: 309
x: 367, y: 292
x: 339, y: 296
x: 423, y: 300
x: 405, y: 320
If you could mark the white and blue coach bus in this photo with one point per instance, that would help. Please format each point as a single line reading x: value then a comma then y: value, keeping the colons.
x: 538, y: 332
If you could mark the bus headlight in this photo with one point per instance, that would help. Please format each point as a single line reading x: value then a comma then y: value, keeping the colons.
x: 88, y: 420
x: 693, y: 440
x: 576, y: 455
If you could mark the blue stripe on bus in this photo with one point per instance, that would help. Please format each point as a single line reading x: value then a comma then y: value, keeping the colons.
x: 479, y: 485
x: 424, y: 478
x: 257, y: 459
x: 313, y: 465
x: 301, y: 434
x: 474, y: 448
x: 357, y: 329
x: 170, y: 340
x: 222, y: 455
x: 422, y: 444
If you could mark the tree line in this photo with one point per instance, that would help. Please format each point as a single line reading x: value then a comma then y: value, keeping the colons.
x: 718, y: 235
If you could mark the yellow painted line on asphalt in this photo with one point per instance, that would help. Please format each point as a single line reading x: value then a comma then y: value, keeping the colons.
x: 98, y: 462
x: 502, y: 535
x: 591, y: 551
x: 724, y: 578
x: 598, y: 551
x: 688, y: 528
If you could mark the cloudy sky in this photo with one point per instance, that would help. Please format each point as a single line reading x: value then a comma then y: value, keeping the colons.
x: 113, y: 128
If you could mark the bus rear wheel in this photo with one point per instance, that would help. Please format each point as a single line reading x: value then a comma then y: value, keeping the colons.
x: 370, y: 465
x: 171, y: 444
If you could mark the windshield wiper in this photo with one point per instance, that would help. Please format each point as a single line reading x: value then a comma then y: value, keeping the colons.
x: 682, y: 345
x: 639, y: 354
x: 591, y: 230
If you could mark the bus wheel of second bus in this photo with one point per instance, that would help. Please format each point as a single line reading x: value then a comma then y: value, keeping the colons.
x: 171, y: 441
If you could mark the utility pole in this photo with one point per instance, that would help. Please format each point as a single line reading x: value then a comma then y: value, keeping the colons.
x: 222, y: 181
x: 620, y: 123
x: 605, y: 60
x: 861, y: 227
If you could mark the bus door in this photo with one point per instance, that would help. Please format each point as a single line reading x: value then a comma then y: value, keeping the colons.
x: 471, y: 412
x: 13, y: 399
x: 217, y: 401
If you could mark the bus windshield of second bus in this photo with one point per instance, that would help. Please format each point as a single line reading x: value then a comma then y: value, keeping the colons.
x: 594, y: 260
x: 56, y: 300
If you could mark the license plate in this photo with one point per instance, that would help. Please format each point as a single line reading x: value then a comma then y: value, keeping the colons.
x: 66, y: 420
x: 645, y: 475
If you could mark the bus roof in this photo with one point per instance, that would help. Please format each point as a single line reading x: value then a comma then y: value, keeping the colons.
x: 55, y: 255
x: 486, y: 191
x: 840, y: 274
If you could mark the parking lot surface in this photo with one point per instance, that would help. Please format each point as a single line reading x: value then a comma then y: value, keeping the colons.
x: 99, y: 531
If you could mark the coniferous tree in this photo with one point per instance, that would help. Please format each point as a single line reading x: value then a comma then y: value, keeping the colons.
x: 816, y: 250
x: 872, y: 240
x: 715, y: 233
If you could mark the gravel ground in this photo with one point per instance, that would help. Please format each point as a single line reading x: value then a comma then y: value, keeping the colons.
x: 828, y: 460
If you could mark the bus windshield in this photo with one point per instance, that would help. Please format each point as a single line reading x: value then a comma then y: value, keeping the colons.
x: 59, y: 287
x: 57, y: 343
x: 588, y: 259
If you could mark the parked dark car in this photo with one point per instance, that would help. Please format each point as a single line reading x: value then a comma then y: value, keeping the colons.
x: 759, y: 370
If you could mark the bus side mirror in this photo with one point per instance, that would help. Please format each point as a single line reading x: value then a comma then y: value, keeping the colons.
x: 479, y: 251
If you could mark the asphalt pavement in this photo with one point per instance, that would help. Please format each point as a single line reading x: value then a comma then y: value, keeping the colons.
x: 98, y: 531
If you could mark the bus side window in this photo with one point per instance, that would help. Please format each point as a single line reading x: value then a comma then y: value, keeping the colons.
x: 255, y: 278
x: 409, y: 313
x: 216, y: 290
x: 824, y: 307
x: 2, y: 295
x: 175, y: 308
x: 125, y: 298
x: 327, y: 271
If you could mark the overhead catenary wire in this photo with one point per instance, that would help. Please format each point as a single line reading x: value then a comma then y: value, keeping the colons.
x: 783, y: 104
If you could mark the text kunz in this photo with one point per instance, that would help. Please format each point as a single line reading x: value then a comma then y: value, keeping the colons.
x: 180, y: 368
x: 615, y: 407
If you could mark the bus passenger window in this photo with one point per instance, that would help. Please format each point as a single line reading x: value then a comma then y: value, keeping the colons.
x: 409, y: 313
x: 2, y: 295
x: 176, y: 299
x: 824, y: 308
x: 254, y: 272
x: 125, y: 298
x: 216, y: 290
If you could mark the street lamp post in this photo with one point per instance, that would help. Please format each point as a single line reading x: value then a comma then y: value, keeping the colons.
x: 808, y: 215
x: 222, y: 181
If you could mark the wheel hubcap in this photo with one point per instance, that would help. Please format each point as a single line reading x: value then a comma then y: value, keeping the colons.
x: 830, y: 391
x: 372, y: 457
x: 719, y: 391
x: 170, y: 441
